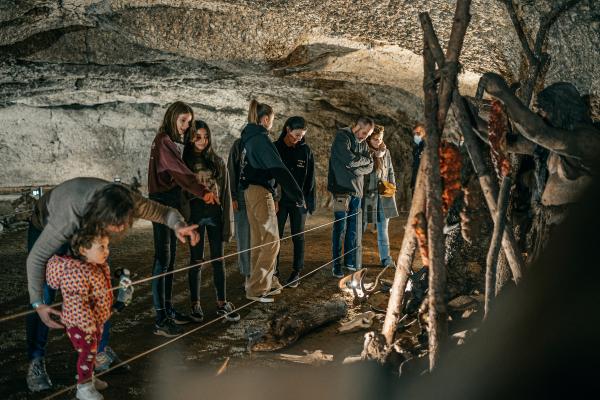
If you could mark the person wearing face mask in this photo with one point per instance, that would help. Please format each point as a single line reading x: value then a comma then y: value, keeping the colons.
x: 298, y: 158
x: 349, y: 162
x: 419, y: 145
x: 261, y: 169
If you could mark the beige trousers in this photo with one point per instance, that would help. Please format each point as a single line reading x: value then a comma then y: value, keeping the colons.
x: 262, y: 218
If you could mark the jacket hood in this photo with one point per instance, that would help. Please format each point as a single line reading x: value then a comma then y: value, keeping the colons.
x: 252, y: 130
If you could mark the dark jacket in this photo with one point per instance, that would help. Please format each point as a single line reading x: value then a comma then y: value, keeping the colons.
x: 417, y: 153
x: 261, y: 164
x: 300, y: 161
x: 224, y: 209
x: 348, y: 163
x: 166, y: 169
x: 234, y: 170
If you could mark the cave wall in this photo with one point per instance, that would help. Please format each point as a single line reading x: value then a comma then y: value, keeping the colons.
x: 84, y: 84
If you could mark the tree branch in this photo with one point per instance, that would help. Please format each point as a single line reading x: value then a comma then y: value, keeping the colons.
x: 438, y: 318
x: 518, y: 24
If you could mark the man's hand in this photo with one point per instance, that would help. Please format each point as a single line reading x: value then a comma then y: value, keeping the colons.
x: 45, y: 312
x: 276, y: 207
x: 494, y: 84
x: 187, y: 230
x: 210, y: 198
x: 234, y: 204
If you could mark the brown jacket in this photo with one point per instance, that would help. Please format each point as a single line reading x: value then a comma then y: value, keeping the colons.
x: 166, y: 169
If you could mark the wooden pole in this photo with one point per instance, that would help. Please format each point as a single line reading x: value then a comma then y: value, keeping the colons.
x: 438, y: 315
x: 494, y: 250
x: 405, y: 257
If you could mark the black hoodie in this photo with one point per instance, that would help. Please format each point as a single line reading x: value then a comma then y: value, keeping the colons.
x: 300, y: 161
x: 261, y: 164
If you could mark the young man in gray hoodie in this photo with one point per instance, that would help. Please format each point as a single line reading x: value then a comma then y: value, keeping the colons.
x: 349, y: 162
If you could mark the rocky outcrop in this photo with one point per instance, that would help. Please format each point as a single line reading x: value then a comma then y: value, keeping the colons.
x: 84, y: 83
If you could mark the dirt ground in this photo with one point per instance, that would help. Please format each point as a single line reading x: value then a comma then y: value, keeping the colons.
x: 204, y: 350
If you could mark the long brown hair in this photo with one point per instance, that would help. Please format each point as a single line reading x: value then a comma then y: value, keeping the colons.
x: 169, y: 123
x: 208, y: 155
x: 258, y: 110
x: 377, y: 161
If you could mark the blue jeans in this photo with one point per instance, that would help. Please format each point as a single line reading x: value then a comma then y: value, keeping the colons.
x: 37, y: 331
x: 346, y: 230
x: 383, y: 239
x: 242, y: 236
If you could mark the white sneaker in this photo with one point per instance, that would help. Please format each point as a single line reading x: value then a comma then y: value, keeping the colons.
x: 87, y: 391
x: 261, y: 299
x: 99, y: 384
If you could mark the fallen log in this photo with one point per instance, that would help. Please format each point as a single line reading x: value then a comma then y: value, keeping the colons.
x: 287, y: 325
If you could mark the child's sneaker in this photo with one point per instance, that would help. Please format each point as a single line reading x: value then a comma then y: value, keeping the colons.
x: 227, y: 310
x: 197, y: 315
x: 87, y: 391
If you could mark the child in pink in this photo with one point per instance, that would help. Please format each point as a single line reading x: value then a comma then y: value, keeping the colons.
x: 84, y: 281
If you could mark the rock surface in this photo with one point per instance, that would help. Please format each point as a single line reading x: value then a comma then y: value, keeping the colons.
x: 84, y: 83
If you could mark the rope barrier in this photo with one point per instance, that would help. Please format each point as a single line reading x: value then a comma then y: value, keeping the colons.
x: 15, y: 213
x: 153, y: 349
x: 200, y: 264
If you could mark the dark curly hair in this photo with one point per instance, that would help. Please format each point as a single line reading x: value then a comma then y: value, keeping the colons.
x: 85, y: 239
x: 112, y: 205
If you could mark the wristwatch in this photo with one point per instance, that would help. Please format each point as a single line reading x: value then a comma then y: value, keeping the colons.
x: 36, y: 304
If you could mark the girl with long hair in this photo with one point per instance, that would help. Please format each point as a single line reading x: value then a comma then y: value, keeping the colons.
x: 167, y: 177
x: 298, y: 158
x: 213, y: 219
x: 261, y: 169
x: 379, y: 202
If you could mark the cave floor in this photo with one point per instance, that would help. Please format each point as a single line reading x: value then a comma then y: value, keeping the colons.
x: 202, y: 352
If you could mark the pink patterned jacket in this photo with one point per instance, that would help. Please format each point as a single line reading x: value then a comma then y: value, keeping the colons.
x: 87, y: 300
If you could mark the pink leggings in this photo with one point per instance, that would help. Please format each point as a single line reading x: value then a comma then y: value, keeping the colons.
x: 86, y: 344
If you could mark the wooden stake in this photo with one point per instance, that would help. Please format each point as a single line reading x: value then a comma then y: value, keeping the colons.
x: 494, y: 250
x: 405, y: 257
x: 438, y: 316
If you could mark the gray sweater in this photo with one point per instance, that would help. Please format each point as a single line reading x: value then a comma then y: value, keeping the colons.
x: 58, y: 215
x: 350, y: 160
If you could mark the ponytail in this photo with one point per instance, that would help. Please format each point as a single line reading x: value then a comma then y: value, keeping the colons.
x: 258, y: 110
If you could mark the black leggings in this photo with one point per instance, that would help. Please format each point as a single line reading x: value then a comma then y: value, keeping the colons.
x: 213, y: 226
x: 165, y: 245
x: 297, y: 221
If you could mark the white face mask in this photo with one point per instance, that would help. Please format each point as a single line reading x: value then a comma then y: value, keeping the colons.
x: 417, y: 139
